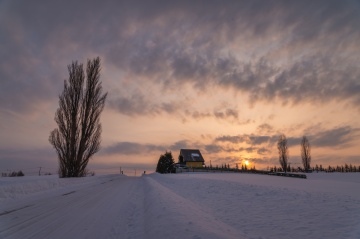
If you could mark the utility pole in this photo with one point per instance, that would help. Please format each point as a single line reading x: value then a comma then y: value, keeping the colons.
x: 39, y: 171
x: 120, y: 170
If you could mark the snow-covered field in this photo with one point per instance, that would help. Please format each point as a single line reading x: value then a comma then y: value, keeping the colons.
x: 200, y: 205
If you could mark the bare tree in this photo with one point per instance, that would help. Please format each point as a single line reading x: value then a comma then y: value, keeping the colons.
x: 305, y: 153
x: 77, y: 137
x: 283, y: 152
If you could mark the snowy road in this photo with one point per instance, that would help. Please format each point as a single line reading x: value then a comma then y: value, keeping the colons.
x: 107, y: 209
x: 113, y: 207
x: 181, y: 206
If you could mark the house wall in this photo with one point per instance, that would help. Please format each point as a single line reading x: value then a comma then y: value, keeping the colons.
x: 194, y: 164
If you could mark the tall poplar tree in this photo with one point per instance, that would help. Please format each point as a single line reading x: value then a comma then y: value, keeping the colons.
x: 305, y: 153
x: 283, y: 152
x: 78, y: 135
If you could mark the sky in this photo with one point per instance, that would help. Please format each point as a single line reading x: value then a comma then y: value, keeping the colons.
x: 225, y: 77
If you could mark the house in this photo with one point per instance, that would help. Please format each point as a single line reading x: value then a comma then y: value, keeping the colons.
x: 191, y: 158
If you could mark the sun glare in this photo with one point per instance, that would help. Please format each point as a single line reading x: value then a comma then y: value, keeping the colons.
x: 246, y: 162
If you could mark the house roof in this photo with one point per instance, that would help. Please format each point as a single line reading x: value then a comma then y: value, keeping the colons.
x: 191, y: 155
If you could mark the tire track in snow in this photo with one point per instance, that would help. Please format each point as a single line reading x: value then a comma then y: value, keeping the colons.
x: 179, y: 217
x: 97, y: 211
x: 14, y: 210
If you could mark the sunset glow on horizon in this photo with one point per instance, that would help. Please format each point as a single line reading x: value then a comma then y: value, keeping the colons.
x: 224, y: 77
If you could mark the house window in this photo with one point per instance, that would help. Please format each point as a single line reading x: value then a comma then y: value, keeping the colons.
x: 195, y: 157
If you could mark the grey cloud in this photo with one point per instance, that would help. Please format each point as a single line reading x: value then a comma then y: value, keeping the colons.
x: 197, y: 115
x: 249, y: 139
x: 130, y: 148
x: 226, y: 114
x: 259, y: 139
x: 231, y: 139
x: 213, y: 148
x: 341, y: 136
x: 306, y: 79
x: 263, y: 151
x: 139, y: 104
x: 265, y: 129
x: 311, y: 79
x: 248, y: 149
x: 134, y: 105
x: 335, y: 137
x: 294, y: 141
x: 182, y: 144
x: 175, y: 43
x: 335, y: 160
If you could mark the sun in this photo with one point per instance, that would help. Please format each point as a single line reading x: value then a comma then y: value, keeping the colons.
x: 246, y: 162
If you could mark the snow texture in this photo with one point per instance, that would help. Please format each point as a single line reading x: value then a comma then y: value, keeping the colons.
x: 188, y: 205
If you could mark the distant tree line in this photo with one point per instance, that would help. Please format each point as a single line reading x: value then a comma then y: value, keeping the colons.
x: 227, y: 167
x: 13, y: 174
x: 347, y: 168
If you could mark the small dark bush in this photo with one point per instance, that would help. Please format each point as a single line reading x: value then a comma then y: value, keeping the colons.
x: 14, y: 174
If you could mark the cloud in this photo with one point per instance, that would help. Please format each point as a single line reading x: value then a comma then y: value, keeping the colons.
x: 130, y: 148
x: 265, y: 129
x: 249, y: 139
x: 134, y: 105
x: 133, y: 148
x: 138, y: 104
x: 213, y: 148
x: 336, y: 137
x: 168, y: 58
x: 310, y: 55
x: 182, y: 144
x: 310, y: 77
x: 263, y: 151
x: 198, y: 115
x: 231, y: 139
x: 228, y: 113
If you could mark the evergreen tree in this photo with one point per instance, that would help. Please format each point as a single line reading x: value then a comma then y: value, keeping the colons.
x: 165, y: 163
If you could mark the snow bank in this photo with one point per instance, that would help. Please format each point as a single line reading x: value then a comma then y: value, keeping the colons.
x: 19, y: 187
x: 262, y: 206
